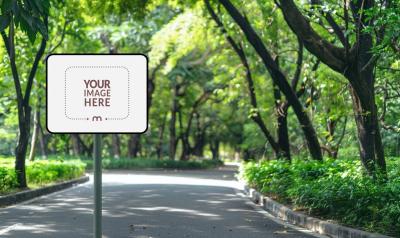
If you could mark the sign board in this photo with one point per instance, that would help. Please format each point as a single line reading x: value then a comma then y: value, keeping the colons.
x: 96, y: 93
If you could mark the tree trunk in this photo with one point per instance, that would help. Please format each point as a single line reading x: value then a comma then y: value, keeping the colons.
x: 172, y: 124
x: 160, y: 137
x: 214, y: 147
x: 362, y: 80
x: 134, y: 146
x: 185, y: 148
x: 116, y: 146
x: 198, y: 149
x: 369, y: 137
x: 42, y: 142
x: 35, y: 134
x: 283, y: 136
x: 24, y: 114
x: 76, y: 146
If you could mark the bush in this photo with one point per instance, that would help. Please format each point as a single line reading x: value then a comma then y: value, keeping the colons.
x: 141, y: 163
x: 8, y: 179
x: 333, y: 189
x: 43, y: 172
x: 39, y: 173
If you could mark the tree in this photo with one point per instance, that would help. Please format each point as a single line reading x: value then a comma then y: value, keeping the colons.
x: 30, y: 17
x: 354, y: 60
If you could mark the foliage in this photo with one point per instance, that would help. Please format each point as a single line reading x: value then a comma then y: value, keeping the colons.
x: 334, y: 189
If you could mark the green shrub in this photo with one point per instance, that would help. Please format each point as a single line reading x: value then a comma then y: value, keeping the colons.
x: 8, y: 179
x: 333, y: 189
x: 43, y: 172
x: 39, y: 173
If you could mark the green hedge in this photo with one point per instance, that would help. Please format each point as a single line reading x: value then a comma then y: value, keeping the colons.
x: 141, y: 163
x: 332, y: 189
x: 44, y: 172
x: 8, y: 180
x: 39, y: 173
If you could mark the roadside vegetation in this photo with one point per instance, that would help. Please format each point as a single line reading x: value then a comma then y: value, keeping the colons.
x: 39, y: 173
x: 332, y: 189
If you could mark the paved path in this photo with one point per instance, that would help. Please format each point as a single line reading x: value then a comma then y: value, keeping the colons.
x: 148, y: 204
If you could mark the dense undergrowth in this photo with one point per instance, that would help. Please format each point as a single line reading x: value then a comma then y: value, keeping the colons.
x: 332, y: 189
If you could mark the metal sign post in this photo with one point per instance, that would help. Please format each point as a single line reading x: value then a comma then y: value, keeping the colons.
x: 96, y: 93
x: 97, y: 222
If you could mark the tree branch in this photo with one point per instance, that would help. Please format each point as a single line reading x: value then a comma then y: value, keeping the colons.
x: 329, y: 54
x: 299, y: 64
x: 39, y: 55
x: 9, y: 43
x: 253, y: 98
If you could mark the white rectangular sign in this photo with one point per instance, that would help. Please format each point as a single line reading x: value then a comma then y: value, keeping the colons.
x: 96, y: 93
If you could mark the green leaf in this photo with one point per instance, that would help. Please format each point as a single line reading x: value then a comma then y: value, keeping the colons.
x: 41, y: 27
x: 6, y: 6
x: 31, y: 35
x: 4, y: 22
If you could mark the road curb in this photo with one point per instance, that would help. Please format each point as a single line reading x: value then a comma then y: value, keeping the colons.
x: 314, y: 224
x: 31, y: 194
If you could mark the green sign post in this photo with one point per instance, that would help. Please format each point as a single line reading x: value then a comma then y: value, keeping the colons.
x: 97, y: 174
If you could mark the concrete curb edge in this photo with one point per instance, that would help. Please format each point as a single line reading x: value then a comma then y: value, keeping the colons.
x: 23, y: 196
x: 314, y: 224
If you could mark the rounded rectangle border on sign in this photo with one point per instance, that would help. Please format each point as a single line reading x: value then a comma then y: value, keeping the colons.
x: 129, y: 87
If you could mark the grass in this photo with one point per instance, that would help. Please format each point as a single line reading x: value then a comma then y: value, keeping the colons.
x: 332, y: 189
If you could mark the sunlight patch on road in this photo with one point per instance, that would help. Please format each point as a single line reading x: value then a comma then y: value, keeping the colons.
x: 33, y: 228
x: 178, y: 210
x: 8, y: 229
x: 113, y: 179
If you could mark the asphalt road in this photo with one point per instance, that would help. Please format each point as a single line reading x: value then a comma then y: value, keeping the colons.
x: 146, y: 204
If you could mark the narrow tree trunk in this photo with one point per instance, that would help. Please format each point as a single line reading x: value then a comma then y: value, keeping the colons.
x: 134, y: 146
x: 116, y: 146
x: 35, y: 134
x: 76, y: 146
x: 42, y: 142
x: 172, y: 124
x: 160, y: 137
x: 214, y: 147
x: 185, y: 148
x: 283, y: 136
x: 198, y: 148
